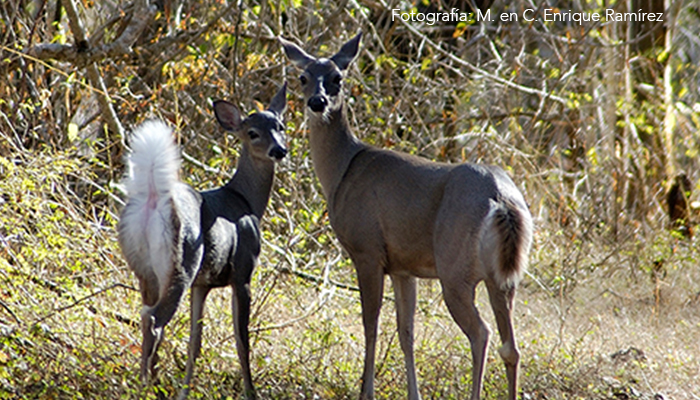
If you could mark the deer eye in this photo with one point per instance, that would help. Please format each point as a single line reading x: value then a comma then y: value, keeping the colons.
x: 253, y: 135
x: 303, y: 80
x: 337, y: 79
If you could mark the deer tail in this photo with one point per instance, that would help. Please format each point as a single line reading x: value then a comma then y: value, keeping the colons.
x: 154, y: 162
x: 508, y: 235
x: 148, y: 226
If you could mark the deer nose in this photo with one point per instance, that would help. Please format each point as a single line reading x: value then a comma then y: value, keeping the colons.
x: 278, y: 153
x: 318, y: 103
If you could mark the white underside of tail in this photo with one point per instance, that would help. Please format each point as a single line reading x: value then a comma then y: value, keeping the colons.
x: 146, y: 227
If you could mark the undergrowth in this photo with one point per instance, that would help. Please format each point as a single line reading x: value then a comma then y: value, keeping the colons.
x: 628, y: 328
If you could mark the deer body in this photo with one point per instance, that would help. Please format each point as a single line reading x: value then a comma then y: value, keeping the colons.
x: 175, y: 238
x: 408, y: 217
x: 400, y: 212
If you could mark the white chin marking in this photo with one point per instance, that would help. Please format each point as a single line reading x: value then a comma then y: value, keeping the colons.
x: 323, y: 115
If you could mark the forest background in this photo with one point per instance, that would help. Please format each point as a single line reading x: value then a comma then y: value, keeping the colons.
x: 595, y: 122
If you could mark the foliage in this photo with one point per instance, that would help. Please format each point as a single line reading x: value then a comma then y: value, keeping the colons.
x: 575, y: 112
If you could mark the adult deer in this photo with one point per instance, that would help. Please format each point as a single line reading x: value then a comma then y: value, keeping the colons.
x: 174, y: 237
x: 408, y: 217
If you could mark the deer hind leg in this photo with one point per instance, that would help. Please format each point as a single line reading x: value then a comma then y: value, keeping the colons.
x: 371, y: 281
x: 405, y: 292
x: 152, y: 337
x: 459, y: 297
x: 153, y: 320
x: 502, y: 305
x: 197, y: 299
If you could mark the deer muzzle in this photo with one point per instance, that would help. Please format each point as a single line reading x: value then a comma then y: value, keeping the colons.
x: 317, y: 103
x: 277, y: 153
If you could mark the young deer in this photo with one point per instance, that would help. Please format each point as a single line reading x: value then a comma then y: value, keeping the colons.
x: 410, y: 218
x: 174, y: 237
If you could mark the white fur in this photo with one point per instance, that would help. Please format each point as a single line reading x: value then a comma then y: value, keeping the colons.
x: 490, y: 244
x: 146, y: 225
x: 154, y: 161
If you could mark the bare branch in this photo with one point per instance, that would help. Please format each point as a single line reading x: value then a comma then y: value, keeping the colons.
x: 81, y: 53
x: 474, y: 68
x: 77, y: 302
x: 142, y: 14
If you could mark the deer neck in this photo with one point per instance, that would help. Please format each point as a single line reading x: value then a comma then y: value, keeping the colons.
x: 333, y: 147
x: 253, y: 180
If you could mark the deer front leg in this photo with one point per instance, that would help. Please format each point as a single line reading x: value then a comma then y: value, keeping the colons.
x: 241, y: 319
x: 244, y: 260
x: 371, y: 281
x: 405, y: 292
x: 197, y: 299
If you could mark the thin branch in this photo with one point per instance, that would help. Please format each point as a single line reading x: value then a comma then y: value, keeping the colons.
x: 200, y: 164
x: 484, y: 73
x: 94, y: 76
x: 82, y: 299
x: 12, y: 313
x: 166, y: 45
x: 81, y: 53
x: 292, y: 321
x: 318, y: 279
x: 50, y: 67
x: 234, y: 55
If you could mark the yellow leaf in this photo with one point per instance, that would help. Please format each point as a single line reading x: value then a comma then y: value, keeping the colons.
x: 72, y: 132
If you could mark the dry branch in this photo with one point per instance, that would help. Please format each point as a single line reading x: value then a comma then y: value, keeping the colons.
x: 92, y: 309
x: 12, y: 313
x: 82, y: 53
x: 317, y: 279
x: 525, y: 89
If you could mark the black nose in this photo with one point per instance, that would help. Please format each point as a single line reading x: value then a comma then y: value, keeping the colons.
x: 318, y: 103
x: 278, y: 153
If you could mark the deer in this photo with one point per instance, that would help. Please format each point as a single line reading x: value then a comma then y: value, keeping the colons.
x: 174, y: 237
x: 409, y: 217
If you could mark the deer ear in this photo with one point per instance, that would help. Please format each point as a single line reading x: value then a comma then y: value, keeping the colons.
x: 347, y: 53
x: 228, y: 115
x: 279, y: 102
x: 295, y: 54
